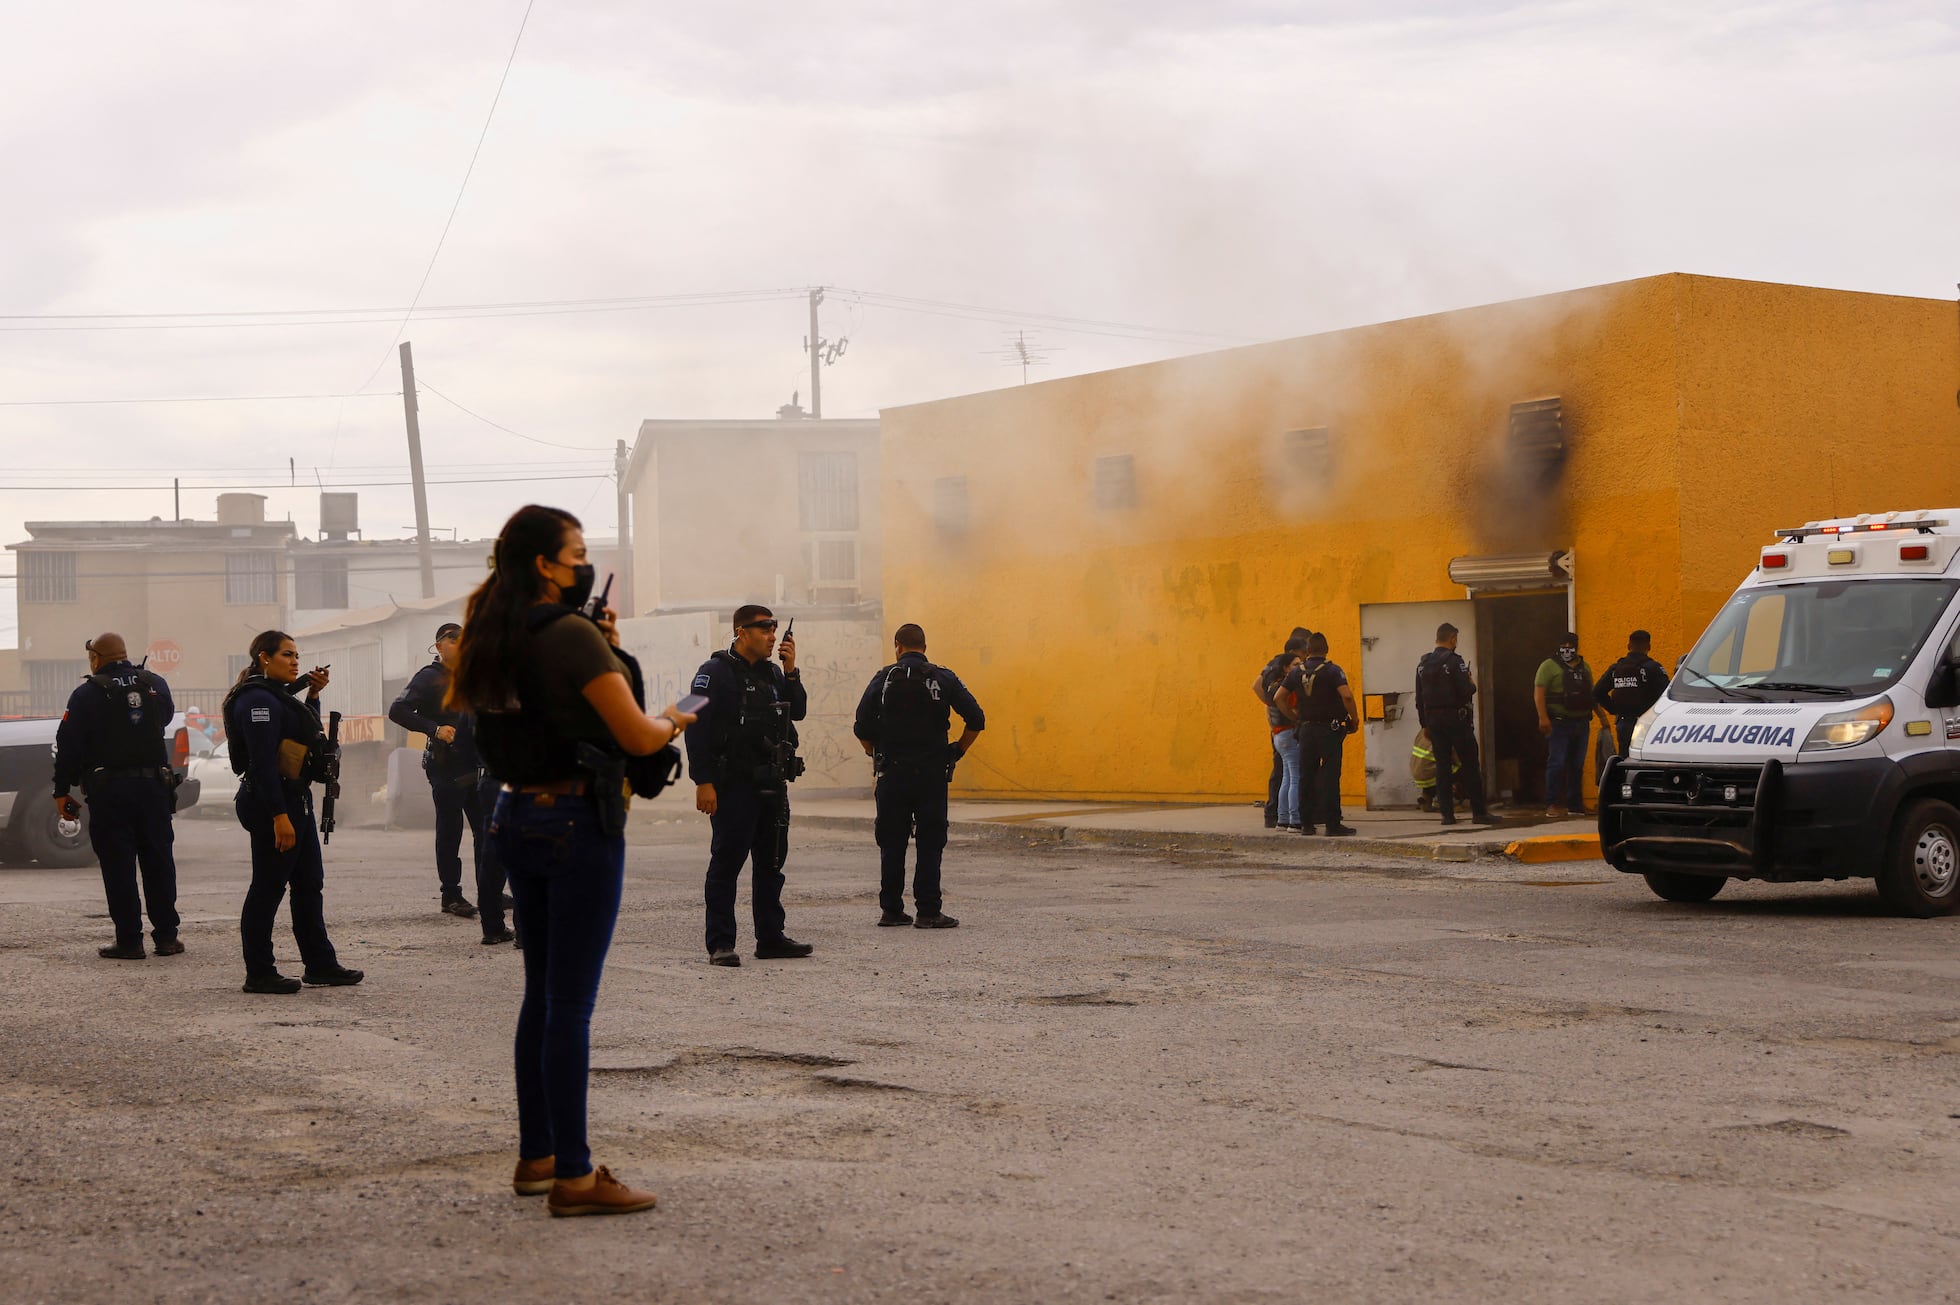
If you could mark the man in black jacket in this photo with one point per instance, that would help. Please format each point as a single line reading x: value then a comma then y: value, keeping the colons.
x: 110, y: 743
x: 1631, y: 686
x: 742, y: 760
x: 450, y: 762
x: 902, y: 721
x: 1445, y: 691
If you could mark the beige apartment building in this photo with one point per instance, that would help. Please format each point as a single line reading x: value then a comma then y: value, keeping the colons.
x: 189, y: 595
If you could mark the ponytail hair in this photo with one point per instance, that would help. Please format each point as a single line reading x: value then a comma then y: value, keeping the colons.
x: 267, y: 641
x: 493, y: 619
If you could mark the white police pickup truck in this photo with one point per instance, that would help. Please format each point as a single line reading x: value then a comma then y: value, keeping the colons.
x: 1814, y: 730
x: 30, y: 827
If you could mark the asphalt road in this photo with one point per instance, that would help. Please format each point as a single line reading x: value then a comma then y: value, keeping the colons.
x: 1126, y: 1077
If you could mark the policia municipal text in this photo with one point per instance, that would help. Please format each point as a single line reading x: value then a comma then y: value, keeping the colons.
x: 560, y: 717
x: 110, y: 743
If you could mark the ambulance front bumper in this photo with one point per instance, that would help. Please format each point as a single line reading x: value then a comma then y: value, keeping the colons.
x: 1764, y: 821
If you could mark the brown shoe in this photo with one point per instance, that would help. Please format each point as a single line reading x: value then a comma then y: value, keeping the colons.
x: 607, y: 1195
x: 534, y: 1177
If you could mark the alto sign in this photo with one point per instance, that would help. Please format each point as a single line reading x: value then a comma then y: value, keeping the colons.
x: 163, y: 656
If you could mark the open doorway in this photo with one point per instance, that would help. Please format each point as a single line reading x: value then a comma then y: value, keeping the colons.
x: 1515, y: 634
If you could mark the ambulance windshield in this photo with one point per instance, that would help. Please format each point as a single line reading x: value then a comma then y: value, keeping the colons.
x: 1812, y: 642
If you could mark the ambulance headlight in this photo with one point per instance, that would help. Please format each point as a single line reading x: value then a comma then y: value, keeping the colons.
x: 1847, y: 729
x: 1640, y: 728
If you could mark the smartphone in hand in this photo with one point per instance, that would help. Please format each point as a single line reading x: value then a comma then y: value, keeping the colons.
x: 692, y: 704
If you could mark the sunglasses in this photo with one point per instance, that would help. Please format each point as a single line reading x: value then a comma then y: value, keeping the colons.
x: 769, y: 626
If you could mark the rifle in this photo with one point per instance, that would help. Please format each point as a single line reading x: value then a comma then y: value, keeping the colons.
x: 330, y: 776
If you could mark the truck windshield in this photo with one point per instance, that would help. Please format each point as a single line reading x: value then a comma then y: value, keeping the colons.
x: 1809, y: 642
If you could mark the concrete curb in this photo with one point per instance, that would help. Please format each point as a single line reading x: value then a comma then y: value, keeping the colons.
x: 1168, y: 840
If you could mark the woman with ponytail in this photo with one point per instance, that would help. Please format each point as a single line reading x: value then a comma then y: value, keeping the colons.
x: 276, y: 743
x: 544, y: 680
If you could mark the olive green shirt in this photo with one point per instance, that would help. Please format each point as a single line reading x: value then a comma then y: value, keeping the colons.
x: 570, y: 654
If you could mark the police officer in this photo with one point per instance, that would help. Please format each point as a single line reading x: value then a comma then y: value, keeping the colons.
x: 450, y: 762
x: 742, y: 760
x: 1444, y: 693
x: 1563, y: 691
x: 902, y: 721
x: 1630, y: 687
x: 1264, y: 685
x: 110, y: 742
x: 277, y: 747
x: 1323, y: 704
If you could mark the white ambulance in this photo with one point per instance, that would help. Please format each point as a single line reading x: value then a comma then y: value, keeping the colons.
x: 1814, y: 730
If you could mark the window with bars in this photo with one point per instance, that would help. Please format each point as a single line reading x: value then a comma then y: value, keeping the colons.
x: 51, y: 680
x: 47, y: 577
x: 1538, y: 439
x: 1308, y: 455
x: 252, y: 577
x: 235, y: 664
x: 320, y: 582
x: 949, y: 508
x: 827, y: 491
x: 1116, y: 482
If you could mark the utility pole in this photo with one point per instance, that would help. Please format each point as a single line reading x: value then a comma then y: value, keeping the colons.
x: 624, y: 603
x: 815, y: 344
x: 415, y: 474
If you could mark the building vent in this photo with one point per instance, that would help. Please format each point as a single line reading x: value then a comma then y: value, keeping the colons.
x: 1307, y: 455
x: 949, y: 505
x: 1537, y: 440
x: 1512, y: 571
x: 1116, y: 482
x: 340, y: 515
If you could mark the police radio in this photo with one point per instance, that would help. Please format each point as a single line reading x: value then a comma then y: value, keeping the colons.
x: 597, y: 603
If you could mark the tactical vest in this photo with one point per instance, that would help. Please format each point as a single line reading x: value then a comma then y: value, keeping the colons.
x: 1575, y: 695
x: 913, y: 714
x: 133, y: 722
x: 761, y: 717
x: 1443, y: 689
x: 296, y: 721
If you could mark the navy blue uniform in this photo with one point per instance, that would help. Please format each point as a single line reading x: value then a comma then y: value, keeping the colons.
x: 749, y: 705
x: 1444, y: 692
x: 260, y: 716
x: 1629, y: 689
x: 904, y: 715
x: 110, y: 744
x: 453, y: 770
x: 1316, y: 684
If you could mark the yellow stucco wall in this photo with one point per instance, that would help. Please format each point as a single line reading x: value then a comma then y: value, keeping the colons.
x: 1113, y: 649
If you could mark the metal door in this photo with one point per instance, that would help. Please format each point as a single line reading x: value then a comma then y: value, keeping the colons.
x: 1394, y: 636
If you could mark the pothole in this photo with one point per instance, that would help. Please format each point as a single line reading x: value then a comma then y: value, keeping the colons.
x: 1793, y: 1128
x: 1079, y: 999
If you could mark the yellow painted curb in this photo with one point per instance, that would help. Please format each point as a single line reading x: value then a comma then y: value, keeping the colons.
x: 1531, y: 851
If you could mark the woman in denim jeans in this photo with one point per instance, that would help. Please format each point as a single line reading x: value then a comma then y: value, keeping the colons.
x: 543, y: 679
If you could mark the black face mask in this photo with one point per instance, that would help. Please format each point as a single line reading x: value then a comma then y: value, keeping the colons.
x: 580, y: 589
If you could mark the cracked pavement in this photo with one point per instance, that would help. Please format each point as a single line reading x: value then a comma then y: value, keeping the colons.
x: 1128, y: 1076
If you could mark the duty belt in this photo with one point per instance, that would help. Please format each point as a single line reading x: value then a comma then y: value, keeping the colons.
x: 159, y: 773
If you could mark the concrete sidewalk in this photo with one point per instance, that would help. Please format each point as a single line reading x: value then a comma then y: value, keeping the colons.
x: 1236, y: 827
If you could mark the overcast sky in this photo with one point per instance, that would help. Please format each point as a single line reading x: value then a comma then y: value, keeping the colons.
x: 1217, y: 170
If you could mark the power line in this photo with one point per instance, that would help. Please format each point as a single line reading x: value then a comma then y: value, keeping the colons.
x: 577, y: 448
x: 458, y: 202
x: 346, y: 317
x: 704, y: 296
x: 193, y: 398
x: 345, y: 484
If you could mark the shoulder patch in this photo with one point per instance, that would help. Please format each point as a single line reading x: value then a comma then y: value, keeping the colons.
x: 702, y: 682
x: 261, y: 715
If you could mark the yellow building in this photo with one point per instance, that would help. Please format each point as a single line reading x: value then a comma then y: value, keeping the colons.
x: 1108, y: 559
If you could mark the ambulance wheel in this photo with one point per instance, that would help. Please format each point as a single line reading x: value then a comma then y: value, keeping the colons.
x: 1921, y: 876
x: 1675, y: 887
x: 41, y: 838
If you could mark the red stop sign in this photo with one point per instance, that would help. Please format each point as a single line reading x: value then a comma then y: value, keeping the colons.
x: 163, y: 656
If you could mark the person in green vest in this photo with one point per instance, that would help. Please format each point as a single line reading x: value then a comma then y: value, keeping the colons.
x: 1563, y: 691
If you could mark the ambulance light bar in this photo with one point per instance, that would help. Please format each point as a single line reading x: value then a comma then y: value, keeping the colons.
x: 1801, y: 533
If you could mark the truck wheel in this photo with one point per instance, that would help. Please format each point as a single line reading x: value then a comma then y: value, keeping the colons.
x: 40, y: 838
x: 1675, y: 887
x: 1921, y: 875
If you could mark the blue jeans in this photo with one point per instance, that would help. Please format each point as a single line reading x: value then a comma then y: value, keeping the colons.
x: 566, y: 875
x: 1286, y: 744
x: 1565, y: 763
